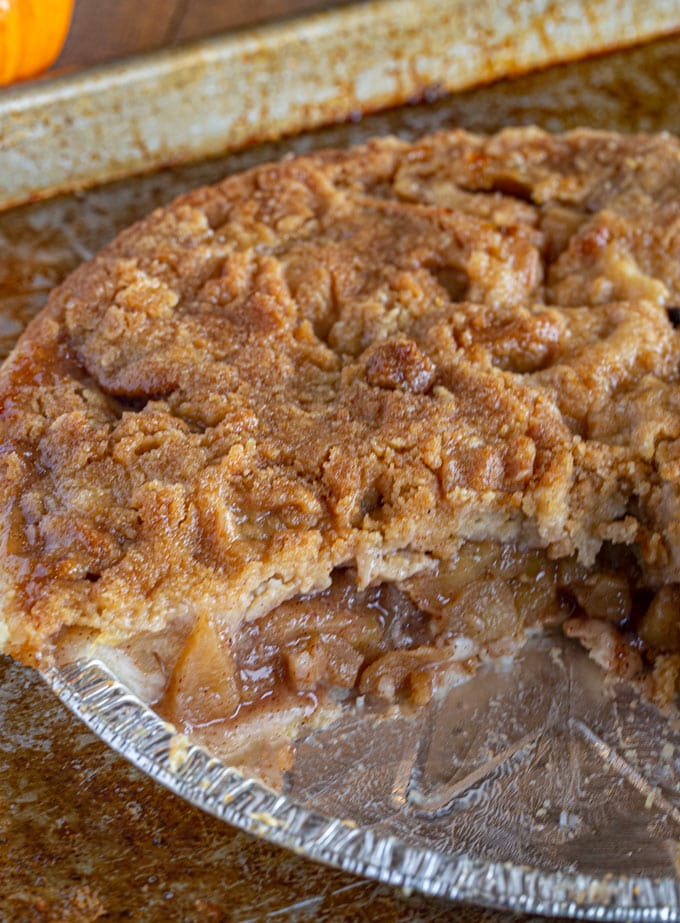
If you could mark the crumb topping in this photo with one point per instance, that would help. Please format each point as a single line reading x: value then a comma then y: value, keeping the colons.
x: 352, y: 358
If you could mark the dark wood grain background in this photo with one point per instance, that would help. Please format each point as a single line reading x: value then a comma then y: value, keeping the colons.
x: 103, y: 30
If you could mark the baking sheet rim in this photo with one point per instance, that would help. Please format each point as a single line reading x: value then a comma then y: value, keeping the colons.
x: 254, y: 85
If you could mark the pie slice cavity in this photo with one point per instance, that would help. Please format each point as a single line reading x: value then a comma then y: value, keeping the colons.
x: 351, y: 423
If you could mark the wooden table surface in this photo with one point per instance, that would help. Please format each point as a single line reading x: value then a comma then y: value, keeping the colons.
x: 102, y: 30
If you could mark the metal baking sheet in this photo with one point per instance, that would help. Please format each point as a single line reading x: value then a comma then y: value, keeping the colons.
x: 222, y: 93
x: 552, y: 855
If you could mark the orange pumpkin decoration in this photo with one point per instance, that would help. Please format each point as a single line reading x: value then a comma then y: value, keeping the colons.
x: 32, y: 33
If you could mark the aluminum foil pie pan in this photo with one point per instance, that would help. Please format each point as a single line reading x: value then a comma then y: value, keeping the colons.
x: 538, y: 786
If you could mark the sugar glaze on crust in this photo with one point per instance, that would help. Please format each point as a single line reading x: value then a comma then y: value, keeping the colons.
x: 354, y: 362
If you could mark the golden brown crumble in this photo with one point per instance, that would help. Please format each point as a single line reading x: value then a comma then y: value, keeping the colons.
x: 352, y: 359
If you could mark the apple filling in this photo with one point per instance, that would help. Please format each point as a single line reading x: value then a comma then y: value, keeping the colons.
x: 402, y: 641
x: 395, y: 642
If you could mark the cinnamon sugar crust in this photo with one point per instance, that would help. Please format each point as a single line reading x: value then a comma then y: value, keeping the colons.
x: 359, y: 358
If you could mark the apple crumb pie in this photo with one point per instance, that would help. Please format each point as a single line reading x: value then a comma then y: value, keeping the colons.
x: 350, y: 424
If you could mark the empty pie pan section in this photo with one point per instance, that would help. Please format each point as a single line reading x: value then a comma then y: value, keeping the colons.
x: 531, y: 787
